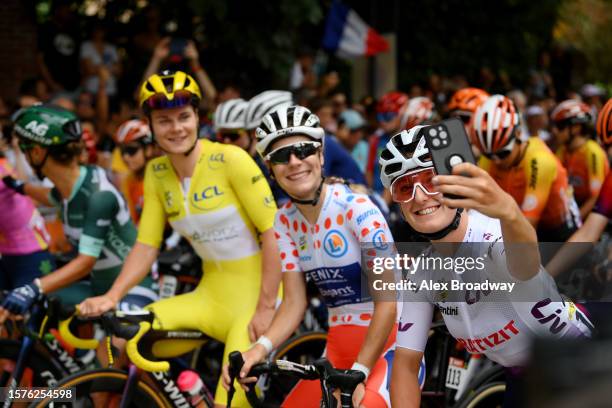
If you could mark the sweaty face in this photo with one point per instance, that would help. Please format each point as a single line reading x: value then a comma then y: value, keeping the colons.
x: 175, y: 129
x: 425, y: 213
x: 299, y: 178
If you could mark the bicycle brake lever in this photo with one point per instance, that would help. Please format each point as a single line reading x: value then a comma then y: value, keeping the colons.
x: 235, y: 365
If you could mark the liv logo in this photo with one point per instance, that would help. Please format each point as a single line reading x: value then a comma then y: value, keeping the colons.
x: 335, y: 244
x: 404, y: 326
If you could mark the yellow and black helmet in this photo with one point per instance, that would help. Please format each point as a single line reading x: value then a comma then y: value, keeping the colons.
x: 169, y: 89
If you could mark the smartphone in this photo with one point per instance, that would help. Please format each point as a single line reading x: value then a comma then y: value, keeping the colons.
x: 448, y: 144
x: 177, y: 47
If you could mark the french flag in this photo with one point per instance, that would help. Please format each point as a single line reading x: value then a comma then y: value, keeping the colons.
x: 349, y: 36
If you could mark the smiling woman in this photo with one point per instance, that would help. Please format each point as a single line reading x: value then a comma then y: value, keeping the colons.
x: 320, y: 235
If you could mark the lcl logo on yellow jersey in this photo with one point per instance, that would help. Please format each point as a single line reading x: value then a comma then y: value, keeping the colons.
x: 207, y: 199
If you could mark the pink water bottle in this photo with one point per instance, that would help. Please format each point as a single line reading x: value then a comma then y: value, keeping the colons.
x: 190, y: 382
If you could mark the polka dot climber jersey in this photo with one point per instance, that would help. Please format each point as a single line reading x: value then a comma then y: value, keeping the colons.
x: 329, y: 253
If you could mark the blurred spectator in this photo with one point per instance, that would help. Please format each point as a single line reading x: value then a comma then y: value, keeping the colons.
x: 35, y: 89
x: 351, y: 134
x: 436, y: 92
x: 328, y: 84
x: 58, y: 48
x: 227, y: 92
x: 96, y: 53
x: 337, y: 160
x: 338, y: 100
x: 520, y: 101
x: 592, y: 95
x: 167, y: 52
x: 537, y: 123
x: 64, y: 102
x: 303, y: 74
x: 486, y: 79
x: 540, y: 81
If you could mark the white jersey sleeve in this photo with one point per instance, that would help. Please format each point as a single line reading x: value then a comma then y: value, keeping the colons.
x: 413, y: 327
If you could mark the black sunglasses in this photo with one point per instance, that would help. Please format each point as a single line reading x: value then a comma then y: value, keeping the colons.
x: 499, y: 155
x: 130, y: 150
x: 300, y: 150
x: 232, y: 136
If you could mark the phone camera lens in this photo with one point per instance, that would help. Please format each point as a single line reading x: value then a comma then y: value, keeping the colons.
x: 435, y: 142
x: 432, y: 132
x: 443, y: 134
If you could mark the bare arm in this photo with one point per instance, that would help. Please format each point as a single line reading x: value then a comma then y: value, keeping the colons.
x: 137, y: 265
x: 270, y: 282
x: 38, y: 193
x: 405, y: 391
x: 73, y: 271
x: 588, y: 234
x: 383, y: 319
x: 480, y: 192
x: 587, y: 207
x: 208, y: 88
x: 286, y: 320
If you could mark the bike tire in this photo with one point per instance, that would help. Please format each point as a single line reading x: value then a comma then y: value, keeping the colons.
x: 106, y: 380
x: 490, y: 395
x: 41, y: 371
x: 303, y: 348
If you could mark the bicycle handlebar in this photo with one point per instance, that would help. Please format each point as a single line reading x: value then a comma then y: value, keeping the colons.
x: 70, y: 338
x: 331, y: 378
x: 137, y: 358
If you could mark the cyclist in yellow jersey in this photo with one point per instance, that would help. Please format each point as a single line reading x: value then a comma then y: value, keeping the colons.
x: 585, y: 161
x: 215, y: 196
x: 528, y: 171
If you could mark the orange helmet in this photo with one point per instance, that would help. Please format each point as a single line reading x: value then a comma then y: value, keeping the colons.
x: 417, y: 111
x: 494, y: 124
x: 467, y: 100
x: 604, y: 124
x: 132, y: 130
x: 571, y: 112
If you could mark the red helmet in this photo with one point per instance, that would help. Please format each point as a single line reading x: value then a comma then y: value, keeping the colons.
x: 571, y: 112
x: 467, y: 100
x: 417, y: 111
x: 132, y: 130
x: 493, y: 124
x: 604, y: 124
x: 391, y: 102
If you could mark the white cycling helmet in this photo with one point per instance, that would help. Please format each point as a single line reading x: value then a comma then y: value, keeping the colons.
x: 403, y: 153
x: 287, y: 121
x: 494, y: 124
x: 262, y: 104
x: 230, y: 114
x: 416, y: 112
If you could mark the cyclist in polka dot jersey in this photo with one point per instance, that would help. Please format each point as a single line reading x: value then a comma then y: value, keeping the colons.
x: 321, y: 235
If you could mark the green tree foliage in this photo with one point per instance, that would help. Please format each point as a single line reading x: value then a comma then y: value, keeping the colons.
x: 587, y: 26
x: 461, y: 37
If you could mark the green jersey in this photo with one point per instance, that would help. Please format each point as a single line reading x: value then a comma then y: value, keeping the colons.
x: 97, y: 223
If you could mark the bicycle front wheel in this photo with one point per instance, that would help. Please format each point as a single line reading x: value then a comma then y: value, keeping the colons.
x: 103, y: 388
x: 490, y: 395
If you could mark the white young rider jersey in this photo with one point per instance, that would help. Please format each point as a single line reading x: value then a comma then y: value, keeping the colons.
x: 329, y: 253
x: 493, y: 323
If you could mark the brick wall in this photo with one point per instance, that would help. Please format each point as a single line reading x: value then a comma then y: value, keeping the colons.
x: 17, y: 45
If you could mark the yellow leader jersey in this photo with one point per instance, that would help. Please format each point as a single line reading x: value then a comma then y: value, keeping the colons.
x: 218, y: 210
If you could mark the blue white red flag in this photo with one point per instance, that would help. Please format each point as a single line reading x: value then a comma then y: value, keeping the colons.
x: 349, y: 36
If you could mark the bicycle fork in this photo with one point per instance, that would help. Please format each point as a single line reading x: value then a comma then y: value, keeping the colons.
x: 15, y: 379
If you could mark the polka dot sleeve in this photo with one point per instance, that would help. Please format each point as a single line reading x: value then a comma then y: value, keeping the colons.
x: 286, y: 245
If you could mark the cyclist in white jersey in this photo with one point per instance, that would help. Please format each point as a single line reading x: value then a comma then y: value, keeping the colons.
x: 476, y: 221
x: 320, y: 235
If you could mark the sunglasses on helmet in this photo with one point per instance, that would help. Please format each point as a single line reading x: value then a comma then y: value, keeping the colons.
x: 231, y: 135
x: 160, y: 101
x: 130, y: 149
x: 386, y: 116
x: 403, y: 189
x: 502, y: 154
x: 301, y: 150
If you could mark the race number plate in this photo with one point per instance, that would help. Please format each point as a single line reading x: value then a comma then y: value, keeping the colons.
x: 455, y: 373
x: 168, y: 286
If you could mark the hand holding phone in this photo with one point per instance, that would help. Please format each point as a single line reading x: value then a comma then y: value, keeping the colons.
x: 448, y: 145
